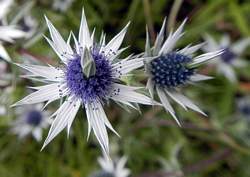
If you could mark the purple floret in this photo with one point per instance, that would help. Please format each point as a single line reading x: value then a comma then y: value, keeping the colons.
x: 94, y: 87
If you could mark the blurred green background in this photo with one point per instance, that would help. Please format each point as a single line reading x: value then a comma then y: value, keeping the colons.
x: 216, y: 146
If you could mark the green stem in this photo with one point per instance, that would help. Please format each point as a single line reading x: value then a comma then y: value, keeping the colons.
x: 173, y: 14
x: 148, y: 18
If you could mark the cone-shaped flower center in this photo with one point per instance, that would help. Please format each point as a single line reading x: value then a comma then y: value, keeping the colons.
x: 34, y: 118
x: 171, y: 70
x: 91, y: 88
x: 228, y: 56
x: 103, y: 174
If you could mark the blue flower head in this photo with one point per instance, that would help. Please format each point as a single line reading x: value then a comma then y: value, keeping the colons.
x: 171, y: 69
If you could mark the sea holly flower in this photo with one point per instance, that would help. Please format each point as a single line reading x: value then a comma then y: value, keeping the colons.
x: 90, y: 76
x: 169, y: 70
x: 231, y: 57
x: 8, y: 32
x: 31, y: 121
x: 112, y: 169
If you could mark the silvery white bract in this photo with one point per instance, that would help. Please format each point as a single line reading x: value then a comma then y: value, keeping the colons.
x: 171, y: 69
x: 112, y: 169
x: 62, y: 5
x: 8, y: 32
x: 230, y: 58
x: 90, y: 76
x: 31, y: 120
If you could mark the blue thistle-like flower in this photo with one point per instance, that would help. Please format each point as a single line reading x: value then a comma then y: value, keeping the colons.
x: 95, y: 87
x: 170, y: 69
x: 31, y: 121
x: 231, y: 57
x: 90, y: 75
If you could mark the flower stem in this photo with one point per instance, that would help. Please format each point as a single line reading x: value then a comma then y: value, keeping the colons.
x: 148, y: 18
x: 173, y: 14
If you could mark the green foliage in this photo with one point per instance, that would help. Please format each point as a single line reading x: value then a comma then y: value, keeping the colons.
x: 214, y: 146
